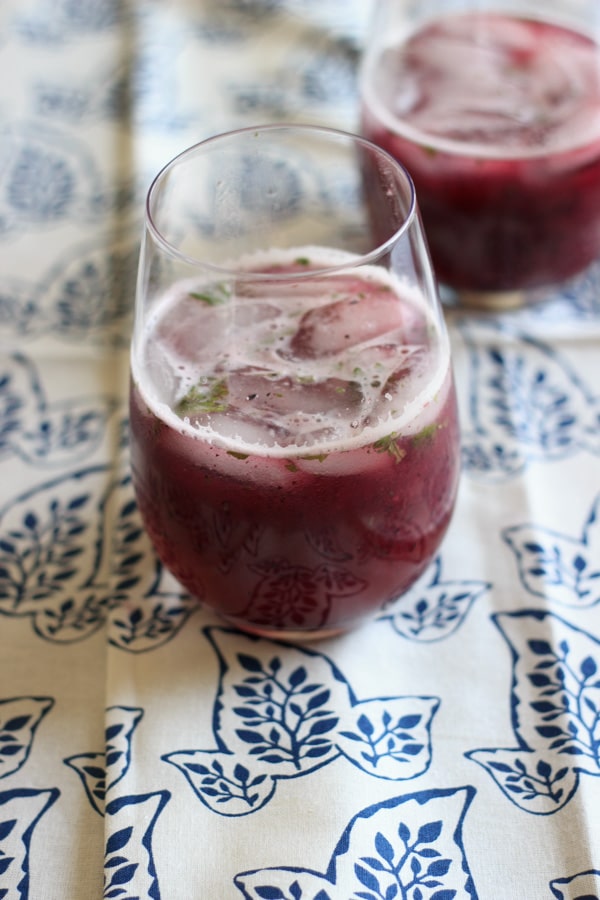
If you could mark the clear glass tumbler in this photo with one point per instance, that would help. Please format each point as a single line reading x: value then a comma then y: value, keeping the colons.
x: 494, y: 108
x: 294, y: 437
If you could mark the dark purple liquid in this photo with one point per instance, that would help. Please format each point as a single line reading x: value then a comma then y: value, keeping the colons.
x: 274, y: 546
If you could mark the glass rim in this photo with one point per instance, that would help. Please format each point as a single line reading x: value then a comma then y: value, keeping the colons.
x: 355, y: 260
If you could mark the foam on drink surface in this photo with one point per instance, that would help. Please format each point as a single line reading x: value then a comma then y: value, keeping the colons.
x: 500, y: 85
x: 293, y: 365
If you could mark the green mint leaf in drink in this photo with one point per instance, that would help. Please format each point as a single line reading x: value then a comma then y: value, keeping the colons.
x: 389, y: 444
x: 213, y: 296
x: 204, y: 398
x: 426, y: 434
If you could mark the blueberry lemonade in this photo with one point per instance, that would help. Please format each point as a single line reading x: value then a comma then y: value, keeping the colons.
x: 294, y: 439
x: 497, y: 118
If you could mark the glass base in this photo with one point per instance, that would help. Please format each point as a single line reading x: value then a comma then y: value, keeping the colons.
x: 490, y: 301
x: 298, y: 635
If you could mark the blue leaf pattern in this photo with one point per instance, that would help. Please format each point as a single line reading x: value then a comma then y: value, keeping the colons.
x: 414, y: 850
x: 19, y: 719
x: 58, y: 20
x: 433, y: 609
x: 129, y: 867
x: 46, y: 179
x: 76, y: 569
x: 70, y: 554
x: 556, y: 678
x: 102, y: 770
x: 525, y: 404
x: 283, y: 712
x: 87, y: 296
x: 20, y: 811
x: 43, y: 433
x: 560, y: 568
x: 583, y: 886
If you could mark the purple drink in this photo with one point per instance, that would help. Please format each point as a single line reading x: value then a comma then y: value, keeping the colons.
x: 497, y: 119
x: 296, y: 468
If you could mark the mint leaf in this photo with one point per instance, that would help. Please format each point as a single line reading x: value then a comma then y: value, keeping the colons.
x: 214, y: 296
x: 204, y: 398
x: 389, y: 444
x: 426, y: 434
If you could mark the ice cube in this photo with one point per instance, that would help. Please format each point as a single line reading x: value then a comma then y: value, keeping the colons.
x: 247, y: 313
x: 193, y: 330
x: 273, y: 395
x: 235, y: 448
x: 342, y: 463
x: 249, y: 431
x: 367, y: 313
x: 280, y: 290
x: 575, y: 135
x: 263, y: 407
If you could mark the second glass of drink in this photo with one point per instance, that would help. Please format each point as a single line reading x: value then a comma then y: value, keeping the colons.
x: 494, y: 107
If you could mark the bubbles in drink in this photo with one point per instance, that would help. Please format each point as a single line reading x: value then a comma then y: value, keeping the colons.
x: 277, y: 408
x: 285, y: 362
x: 493, y: 80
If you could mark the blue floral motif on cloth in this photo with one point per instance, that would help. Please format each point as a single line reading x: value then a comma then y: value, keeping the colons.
x: 20, y: 811
x: 433, y: 609
x: 555, y: 703
x: 561, y: 568
x: 71, y: 553
x: 283, y: 712
x: 130, y: 818
x: 46, y: 179
x: 415, y: 851
x: 525, y: 404
x: 448, y: 750
x: 101, y: 771
x: 129, y: 858
x: 45, y: 433
x: 582, y: 886
x: 19, y: 719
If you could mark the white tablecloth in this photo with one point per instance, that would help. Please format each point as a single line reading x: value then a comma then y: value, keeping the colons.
x: 453, y: 749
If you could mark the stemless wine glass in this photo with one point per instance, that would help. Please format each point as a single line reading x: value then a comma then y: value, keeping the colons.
x: 494, y: 108
x: 294, y: 437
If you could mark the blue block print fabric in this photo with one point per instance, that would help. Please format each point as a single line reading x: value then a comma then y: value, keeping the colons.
x: 450, y: 748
